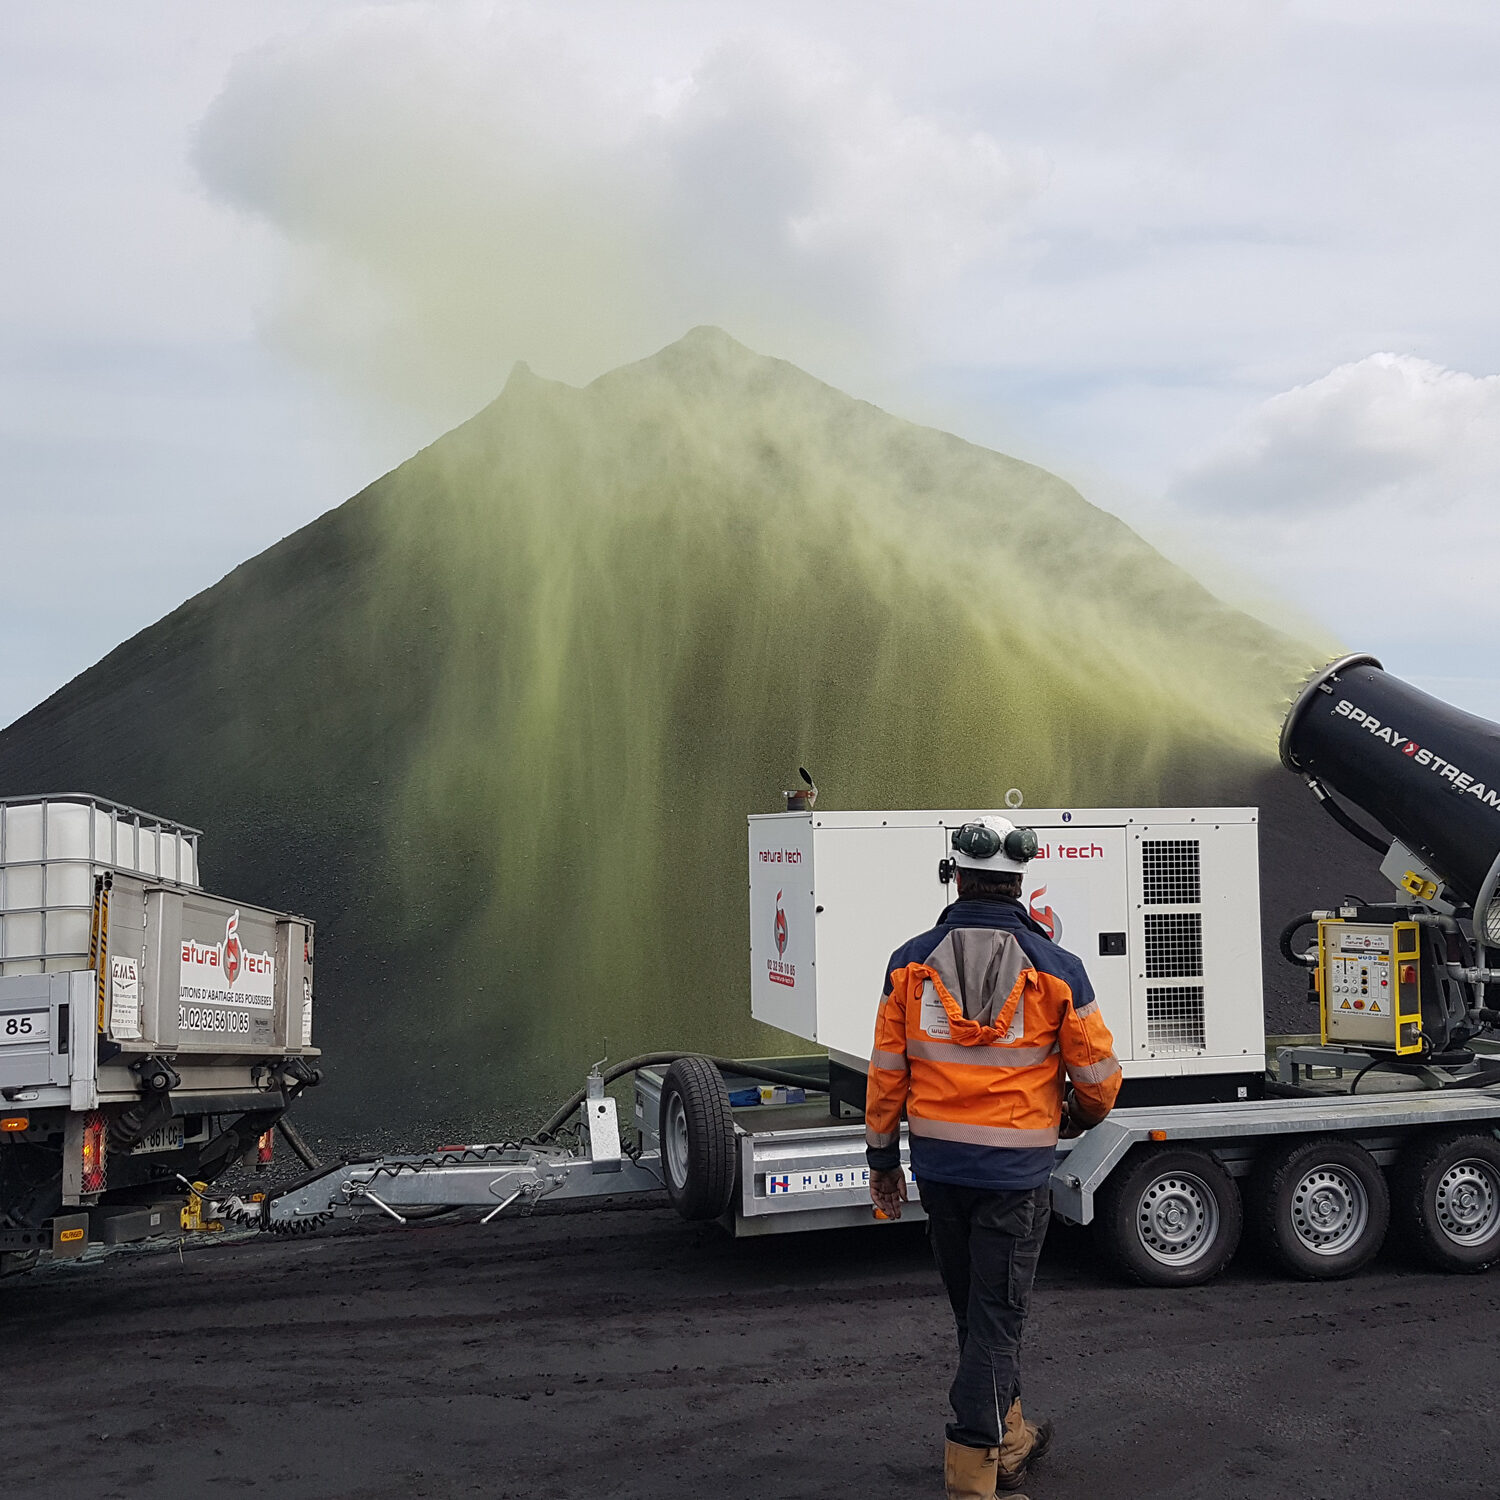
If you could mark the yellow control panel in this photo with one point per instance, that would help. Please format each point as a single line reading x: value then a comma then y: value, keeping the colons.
x: 1369, y: 984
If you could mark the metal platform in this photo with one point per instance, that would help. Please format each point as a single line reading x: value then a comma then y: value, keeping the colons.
x: 1376, y: 1122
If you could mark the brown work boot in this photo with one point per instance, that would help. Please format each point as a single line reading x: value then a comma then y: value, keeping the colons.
x: 969, y: 1473
x: 1024, y: 1443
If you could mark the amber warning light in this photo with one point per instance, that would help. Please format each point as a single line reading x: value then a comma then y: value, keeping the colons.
x: 14, y: 1123
x: 93, y: 1154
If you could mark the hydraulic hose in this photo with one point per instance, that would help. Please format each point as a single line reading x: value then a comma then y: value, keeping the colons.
x: 648, y: 1059
x: 1339, y: 816
x: 1290, y: 954
x: 1379, y: 1062
x: 293, y: 1137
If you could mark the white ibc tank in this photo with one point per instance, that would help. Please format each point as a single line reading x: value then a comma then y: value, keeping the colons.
x: 51, y: 849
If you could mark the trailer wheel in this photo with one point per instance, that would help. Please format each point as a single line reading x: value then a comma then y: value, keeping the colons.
x: 1447, y: 1194
x: 1320, y: 1208
x: 1170, y: 1217
x: 697, y: 1139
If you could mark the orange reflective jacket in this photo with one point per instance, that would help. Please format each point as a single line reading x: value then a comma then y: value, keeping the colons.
x: 980, y: 1020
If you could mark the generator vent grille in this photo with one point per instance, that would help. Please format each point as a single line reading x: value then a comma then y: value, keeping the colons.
x: 1174, y: 944
x: 1174, y: 1019
x: 1169, y: 868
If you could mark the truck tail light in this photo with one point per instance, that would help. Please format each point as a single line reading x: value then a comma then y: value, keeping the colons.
x: 93, y: 1153
x: 264, y: 1147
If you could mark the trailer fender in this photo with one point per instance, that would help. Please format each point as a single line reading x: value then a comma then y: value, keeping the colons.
x: 1079, y: 1175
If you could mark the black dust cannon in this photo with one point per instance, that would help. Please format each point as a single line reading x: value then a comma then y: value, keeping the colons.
x: 1404, y: 980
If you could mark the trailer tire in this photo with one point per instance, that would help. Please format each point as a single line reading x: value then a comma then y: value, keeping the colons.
x: 1320, y: 1208
x: 1447, y: 1196
x: 1169, y: 1217
x: 697, y: 1139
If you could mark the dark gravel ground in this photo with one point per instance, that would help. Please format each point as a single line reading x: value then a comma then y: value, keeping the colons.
x: 629, y: 1354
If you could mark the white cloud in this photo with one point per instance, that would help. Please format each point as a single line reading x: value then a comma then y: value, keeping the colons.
x: 1370, y: 496
x: 464, y: 189
x: 1389, y: 428
x: 1092, y: 235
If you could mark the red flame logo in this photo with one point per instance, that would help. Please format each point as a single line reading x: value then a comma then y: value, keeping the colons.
x: 780, y: 927
x: 232, y: 949
x: 1044, y: 916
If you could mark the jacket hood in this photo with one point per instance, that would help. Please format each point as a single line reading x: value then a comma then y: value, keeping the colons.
x: 981, y: 974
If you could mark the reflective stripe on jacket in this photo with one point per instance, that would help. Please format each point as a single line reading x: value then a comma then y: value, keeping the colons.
x: 980, y: 1020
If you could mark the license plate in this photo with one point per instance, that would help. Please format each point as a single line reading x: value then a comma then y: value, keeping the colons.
x: 19, y: 1028
x: 163, y: 1138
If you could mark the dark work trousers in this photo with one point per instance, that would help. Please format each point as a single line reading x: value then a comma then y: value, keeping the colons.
x: 986, y: 1243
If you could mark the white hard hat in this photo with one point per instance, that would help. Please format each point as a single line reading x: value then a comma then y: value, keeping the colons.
x: 992, y: 843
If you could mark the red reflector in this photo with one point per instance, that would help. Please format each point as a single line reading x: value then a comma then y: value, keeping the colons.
x: 264, y: 1147
x: 93, y: 1153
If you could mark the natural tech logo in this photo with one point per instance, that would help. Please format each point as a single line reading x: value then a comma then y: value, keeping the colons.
x: 232, y: 951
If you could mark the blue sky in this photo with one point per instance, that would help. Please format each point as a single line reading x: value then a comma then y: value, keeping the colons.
x: 1228, y: 267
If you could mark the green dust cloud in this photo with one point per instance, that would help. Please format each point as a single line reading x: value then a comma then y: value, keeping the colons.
x: 649, y: 600
x: 495, y: 723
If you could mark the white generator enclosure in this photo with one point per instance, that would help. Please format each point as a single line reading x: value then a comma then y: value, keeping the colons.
x: 1161, y: 904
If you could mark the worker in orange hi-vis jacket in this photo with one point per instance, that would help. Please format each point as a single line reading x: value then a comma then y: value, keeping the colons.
x: 980, y: 1020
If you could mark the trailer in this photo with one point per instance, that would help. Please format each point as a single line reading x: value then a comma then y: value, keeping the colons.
x: 152, y: 1035
x: 1318, y: 1179
x: 1387, y: 1118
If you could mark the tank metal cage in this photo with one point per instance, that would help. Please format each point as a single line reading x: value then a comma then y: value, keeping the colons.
x: 51, y: 849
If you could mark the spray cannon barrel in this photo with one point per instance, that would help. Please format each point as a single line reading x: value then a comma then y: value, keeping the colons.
x: 1427, y: 772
